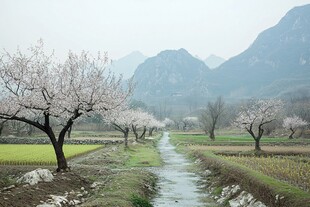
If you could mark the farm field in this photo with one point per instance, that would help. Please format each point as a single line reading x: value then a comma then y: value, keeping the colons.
x: 302, y: 150
x: 116, y: 166
x: 281, y: 168
x: 295, y: 171
x: 20, y: 154
x: 202, y: 139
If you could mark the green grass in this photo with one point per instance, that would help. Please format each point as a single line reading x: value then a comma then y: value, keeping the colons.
x: 137, y: 155
x: 128, y: 185
x: 19, y: 154
x: 143, y: 156
x: 122, y: 187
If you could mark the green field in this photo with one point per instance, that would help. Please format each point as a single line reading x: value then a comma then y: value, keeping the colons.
x: 20, y: 154
x: 185, y: 138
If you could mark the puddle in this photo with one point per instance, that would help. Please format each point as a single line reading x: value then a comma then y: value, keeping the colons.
x: 177, y: 186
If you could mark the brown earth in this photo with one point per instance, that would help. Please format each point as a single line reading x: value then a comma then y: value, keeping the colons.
x: 27, y: 195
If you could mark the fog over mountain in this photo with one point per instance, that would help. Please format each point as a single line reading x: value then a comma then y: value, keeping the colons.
x: 128, y: 64
x: 277, y: 64
x: 214, y: 61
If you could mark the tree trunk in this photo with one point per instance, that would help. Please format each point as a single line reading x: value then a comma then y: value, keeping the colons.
x: 1, y: 127
x: 292, y: 133
x: 61, y: 160
x: 211, y: 133
x: 151, y: 131
x: 257, y: 146
x: 58, y: 145
x: 143, y: 133
x: 134, y: 130
x: 126, y: 132
x: 60, y: 156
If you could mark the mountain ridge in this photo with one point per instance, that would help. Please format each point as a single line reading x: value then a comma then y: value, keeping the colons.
x: 276, y: 64
x: 169, y: 73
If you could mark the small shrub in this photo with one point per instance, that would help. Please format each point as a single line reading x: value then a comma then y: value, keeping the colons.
x: 138, y: 201
x: 217, y: 191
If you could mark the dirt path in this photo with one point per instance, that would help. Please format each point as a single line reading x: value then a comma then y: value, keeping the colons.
x: 178, y: 186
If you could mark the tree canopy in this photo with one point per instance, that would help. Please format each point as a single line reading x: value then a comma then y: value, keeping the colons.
x: 35, y: 88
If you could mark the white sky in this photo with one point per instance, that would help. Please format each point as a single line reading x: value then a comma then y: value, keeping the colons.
x: 203, y: 27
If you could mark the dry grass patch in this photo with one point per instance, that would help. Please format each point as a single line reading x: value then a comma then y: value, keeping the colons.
x: 293, y: 171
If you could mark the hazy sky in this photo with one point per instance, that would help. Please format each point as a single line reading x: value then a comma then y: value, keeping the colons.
x: 203, y: 27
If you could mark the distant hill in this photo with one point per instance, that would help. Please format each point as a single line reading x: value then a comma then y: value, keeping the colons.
x: 172, y: 73
x: 128, y: 64
x: 276, y: 64
x: 214, y: 61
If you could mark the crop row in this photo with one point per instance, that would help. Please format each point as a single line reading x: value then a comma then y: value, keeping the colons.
x: 294, y: 171
x: 18, y: 154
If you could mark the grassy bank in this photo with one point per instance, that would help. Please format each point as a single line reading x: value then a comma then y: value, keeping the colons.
x: 126, y: 183
x: 124, y: 189
x: 263, y: 187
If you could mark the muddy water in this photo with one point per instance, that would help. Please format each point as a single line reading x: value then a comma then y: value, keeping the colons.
x: 177, y: 186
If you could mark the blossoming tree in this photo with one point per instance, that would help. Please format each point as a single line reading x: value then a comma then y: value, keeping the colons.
x: 293, y: 123
x: 141, y: 120
x: 122, y: 122
x: 154, y: 124
x: 190, y: 122
x: 254, y: 117
x: 36, y: 89
x: 134, y: 119
x: 168, y: 122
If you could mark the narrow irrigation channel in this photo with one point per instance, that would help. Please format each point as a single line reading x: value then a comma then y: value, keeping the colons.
x: 177, y: 186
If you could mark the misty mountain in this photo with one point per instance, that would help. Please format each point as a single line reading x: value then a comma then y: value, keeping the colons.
x: 276, y: 64
x: 214, y: 61
x: 128, y: 64
x: 172, y: 73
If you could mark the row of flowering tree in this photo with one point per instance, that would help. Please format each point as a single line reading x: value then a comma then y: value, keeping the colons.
x: 36, y: 89
x: 134, y: 120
